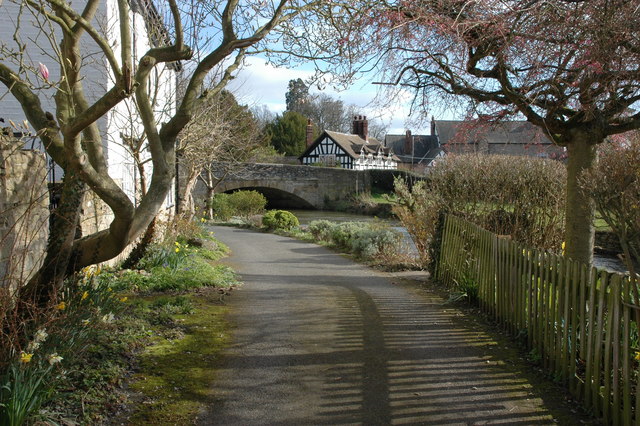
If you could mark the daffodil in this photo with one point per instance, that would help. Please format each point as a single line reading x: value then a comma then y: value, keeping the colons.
x: 124, y: 299
x: 177, y: 250
x: 54, y: 358
x: 40, y: 336
x: 25, y: 357
x: 85, y: 322
x: 61, y: 306
x: 85, y: 295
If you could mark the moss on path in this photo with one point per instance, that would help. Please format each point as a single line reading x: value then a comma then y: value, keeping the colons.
x: 176, y: 371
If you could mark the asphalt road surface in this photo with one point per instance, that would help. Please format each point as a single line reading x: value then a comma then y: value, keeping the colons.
x: 319, y: 339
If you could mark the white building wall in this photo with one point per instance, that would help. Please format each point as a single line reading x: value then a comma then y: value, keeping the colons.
x: 42, y: 41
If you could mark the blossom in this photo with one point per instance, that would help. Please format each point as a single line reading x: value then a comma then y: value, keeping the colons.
x: 44, y: 71
x: 54, y: 358
x: 203, y: 220
x: 41, y: 335
x: 85, y: 295
x: 25, y: 357
x: 61, y: 306
x: 33, y: 346
x: 177, y: 250
x: 124, y: 299
x: 85, y: 322
x: 108, y: 318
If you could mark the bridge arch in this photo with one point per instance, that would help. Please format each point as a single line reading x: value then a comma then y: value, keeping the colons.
x: 277, y: 198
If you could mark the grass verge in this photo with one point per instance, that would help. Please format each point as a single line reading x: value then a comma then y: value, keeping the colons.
x: 164, y: 321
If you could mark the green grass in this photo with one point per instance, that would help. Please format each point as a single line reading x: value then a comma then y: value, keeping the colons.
x: 166, y: 323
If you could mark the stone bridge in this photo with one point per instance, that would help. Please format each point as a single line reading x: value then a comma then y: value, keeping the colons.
x: 288, y: 186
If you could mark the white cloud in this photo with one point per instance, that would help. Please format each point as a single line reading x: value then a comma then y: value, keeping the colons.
x: 260, y: 83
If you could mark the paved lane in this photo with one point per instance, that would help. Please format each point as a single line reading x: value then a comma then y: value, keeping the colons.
x: 319, y: 339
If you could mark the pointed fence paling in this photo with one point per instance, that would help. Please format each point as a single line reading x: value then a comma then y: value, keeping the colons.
x: 580, y: 322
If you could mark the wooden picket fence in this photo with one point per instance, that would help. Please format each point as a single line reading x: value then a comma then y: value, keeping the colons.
x: 581, y: 322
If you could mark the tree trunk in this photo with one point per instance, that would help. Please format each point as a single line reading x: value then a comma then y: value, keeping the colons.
x: 187, y: 206
x: 580, y: 208
x: 57, y: 263
x: 140, y: 249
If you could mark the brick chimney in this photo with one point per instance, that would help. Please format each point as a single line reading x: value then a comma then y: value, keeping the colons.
x: 408, y: 144
x: 360, y: 126
x: 309, y: 133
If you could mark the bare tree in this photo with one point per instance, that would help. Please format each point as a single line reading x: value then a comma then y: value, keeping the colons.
x: 202, y: 35
x: 223, y: 132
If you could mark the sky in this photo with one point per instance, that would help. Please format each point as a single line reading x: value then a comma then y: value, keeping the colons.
x: 259, y: 83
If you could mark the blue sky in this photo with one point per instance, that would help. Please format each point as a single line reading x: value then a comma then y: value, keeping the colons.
x: 259, y: 83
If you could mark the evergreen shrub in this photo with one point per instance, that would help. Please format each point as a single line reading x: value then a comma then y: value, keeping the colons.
x: 280, y: 219
x: 240, y: 203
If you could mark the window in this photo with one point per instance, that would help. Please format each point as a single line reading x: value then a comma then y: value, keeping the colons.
x: 327, y: 159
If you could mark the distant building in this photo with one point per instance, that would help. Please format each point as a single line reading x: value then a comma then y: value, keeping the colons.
x: 507, y: 138
x: 355, y: 151
x: 414, y: 152
x: 521, y: 138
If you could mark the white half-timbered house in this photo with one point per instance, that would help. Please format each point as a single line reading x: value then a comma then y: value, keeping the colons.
x: 349, y: 151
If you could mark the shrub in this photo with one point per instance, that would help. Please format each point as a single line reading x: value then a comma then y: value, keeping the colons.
x: 221, y: 207
x: 280, y: 219
x: 239, y: 203
x: 247, y: 203
x: 343, y: 233
x: 614, y: 185
x: 321, y: 230
x: 518, y: 196
x: 371, y: 242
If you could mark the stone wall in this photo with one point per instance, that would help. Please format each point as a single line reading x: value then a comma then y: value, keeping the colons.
x: 24, y: 212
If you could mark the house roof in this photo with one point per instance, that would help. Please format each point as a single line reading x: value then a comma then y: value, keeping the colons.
x: 508, y: 132
x: 353, y: 145
x: 425, y: 147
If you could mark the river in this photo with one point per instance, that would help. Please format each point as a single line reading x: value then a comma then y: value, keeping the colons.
x: 307, y: 216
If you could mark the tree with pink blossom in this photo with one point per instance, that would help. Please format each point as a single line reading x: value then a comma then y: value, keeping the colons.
x: 571, y: 67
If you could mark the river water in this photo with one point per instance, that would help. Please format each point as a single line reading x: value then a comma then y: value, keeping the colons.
x: 307, y: 216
